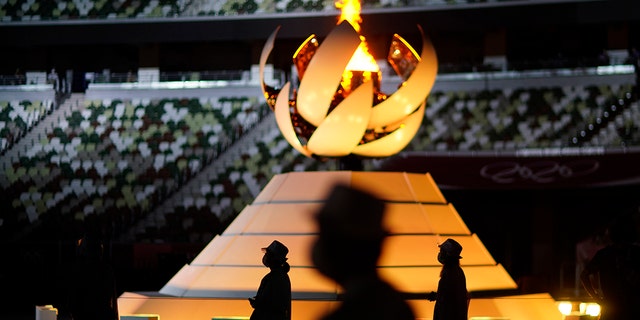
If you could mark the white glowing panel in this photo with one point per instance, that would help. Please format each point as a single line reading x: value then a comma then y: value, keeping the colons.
x: 345, y: 125
x: 324, y: 72
x: 413, y: 91
x: 283, y: 120
x: 395, y: 141
x: 396, y: 119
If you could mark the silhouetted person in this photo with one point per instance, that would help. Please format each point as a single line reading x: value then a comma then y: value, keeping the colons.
x: 92, y: 291
x: 347, y: 251
x: 612, y: 277
x: 452, y: 298
x: 52, y: 78
x: 273, y: 299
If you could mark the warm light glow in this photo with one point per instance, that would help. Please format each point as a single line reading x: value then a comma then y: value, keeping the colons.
x: 593, y: 309
x: 216, y: 283
x: 339, y: 98
x: 583, y: 308
x: 565, y: 307
x: 361, y: 60
x: 350, y: 11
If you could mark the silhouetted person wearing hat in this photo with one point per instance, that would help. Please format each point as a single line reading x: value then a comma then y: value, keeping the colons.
x: 347, y: 251
x: 612, y: 277
x: 273, y: 299
x: 452, y: 298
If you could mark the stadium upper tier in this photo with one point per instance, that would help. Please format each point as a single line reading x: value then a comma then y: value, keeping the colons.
x: 32, y: 10
x: 141, y: 162
x: 547, y: 117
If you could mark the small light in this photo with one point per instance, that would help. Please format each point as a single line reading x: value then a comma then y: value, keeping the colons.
x: 593, y: 309
x: 583, y: 308
x: 565, y: 307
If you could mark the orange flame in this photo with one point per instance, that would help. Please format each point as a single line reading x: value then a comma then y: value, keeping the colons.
x: 361, y: 60
x: 350, y: 12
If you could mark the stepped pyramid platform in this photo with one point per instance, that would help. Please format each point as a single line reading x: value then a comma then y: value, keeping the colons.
x: 217, y: 283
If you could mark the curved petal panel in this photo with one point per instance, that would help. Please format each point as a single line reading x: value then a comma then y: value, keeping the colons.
x: 402, y: 57
x: 395, y: 141
x: 283, y: 119
x: 304, y: 54
x: 324, y: 73
x: 270, y: 93
x: 343, y: 128
x: 412, y: 93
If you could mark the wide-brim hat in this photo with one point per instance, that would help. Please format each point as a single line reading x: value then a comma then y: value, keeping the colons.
x: 277, y: 249
x: 452, y: 248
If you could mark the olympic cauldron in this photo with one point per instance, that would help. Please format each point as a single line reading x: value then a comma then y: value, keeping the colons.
x: 338, y: 109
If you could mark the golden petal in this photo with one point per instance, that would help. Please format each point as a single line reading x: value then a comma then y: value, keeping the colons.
x: 412, y: 93
x: 304, y: 54
x: 395, y: 141
x: 324, y: 73
x: 402, y: 57
x: 270, y: 93
x: 283, y: 119
x: 343, y: 128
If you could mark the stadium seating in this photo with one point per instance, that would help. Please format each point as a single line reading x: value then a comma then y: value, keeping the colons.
x: 32, y: 10
x: 18, y: 117
x: 522, y: 118
x: 119, y: 158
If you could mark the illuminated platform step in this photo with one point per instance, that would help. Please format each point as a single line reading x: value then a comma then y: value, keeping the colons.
x: 521, y: 307
x: 307, y: 284
x: 418, y: 218
x: 398, y: 250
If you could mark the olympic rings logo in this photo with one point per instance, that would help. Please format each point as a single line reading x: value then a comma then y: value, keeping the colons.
x: 540, y: 172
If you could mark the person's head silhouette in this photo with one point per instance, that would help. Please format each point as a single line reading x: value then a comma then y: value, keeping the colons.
x: 275, y: 254
x: 347, y: 250
x: 350, y: 233
x: 449, y: 252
